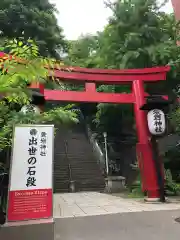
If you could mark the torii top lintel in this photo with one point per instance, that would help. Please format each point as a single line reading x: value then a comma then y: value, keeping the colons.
x: 112, y: 75
x: 104, y: 76
x: 108, y: 76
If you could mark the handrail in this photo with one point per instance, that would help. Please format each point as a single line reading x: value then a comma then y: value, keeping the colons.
x: 99, y: 155
x: 96, y: 149
x: 69, y: 165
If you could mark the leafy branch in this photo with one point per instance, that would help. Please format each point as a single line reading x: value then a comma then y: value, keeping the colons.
x: 21, y: 67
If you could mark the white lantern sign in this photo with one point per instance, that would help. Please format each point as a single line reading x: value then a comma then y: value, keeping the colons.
x: 30, y: 109
x: 156, y: 122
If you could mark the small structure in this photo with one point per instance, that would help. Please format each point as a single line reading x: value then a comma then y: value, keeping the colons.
x: 115, y: 184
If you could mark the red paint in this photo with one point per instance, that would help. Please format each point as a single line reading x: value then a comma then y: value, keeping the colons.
x: 149, y: 182
x: 30, y: 204
x: 108, y: 78
x: 90, y: 87
x: 36, y: 85
x: 147, y: 169
x: 89, y: 96
x: 155, y: 70
x: 41, y: 88
x: 140, y: 161
x: 141, y: 116
x: 144, y: 148
x: 118, y: 71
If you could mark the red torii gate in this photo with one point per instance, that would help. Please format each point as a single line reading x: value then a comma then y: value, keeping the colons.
x: 136, y: 78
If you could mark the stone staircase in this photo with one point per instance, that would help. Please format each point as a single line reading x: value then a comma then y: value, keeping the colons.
x: 74, y: 161
x: 61, y: 165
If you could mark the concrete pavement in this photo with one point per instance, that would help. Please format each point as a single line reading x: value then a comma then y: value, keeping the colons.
x: 158, y: 225
x: 70, y: 205
x: 96, y: 216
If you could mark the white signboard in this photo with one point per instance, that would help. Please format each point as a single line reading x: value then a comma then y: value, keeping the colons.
x: 30, y: 190
x: 156, y: 122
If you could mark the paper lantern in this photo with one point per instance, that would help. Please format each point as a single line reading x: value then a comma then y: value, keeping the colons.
x: 30, y: 109
x: 156, y: 122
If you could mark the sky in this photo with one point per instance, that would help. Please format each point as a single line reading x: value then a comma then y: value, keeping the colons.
x: 79, y: 17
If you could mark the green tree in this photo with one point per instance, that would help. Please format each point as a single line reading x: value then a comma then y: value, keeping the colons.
x: 139, y: 35
x: 83, y: 51
x: 23, y: 67
x: 33, y: 19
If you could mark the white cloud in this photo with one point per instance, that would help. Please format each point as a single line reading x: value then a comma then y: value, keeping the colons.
x: 84, y: 16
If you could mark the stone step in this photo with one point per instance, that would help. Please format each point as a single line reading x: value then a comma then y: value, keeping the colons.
x: 85, y: 168
x: 74, y: 148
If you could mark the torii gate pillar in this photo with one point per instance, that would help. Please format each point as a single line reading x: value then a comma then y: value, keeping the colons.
x: 143, y: 148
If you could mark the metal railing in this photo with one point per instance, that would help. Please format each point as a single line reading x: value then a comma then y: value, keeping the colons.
x: 97, y: 150
x: 71, y: 181
x: 99, y: 155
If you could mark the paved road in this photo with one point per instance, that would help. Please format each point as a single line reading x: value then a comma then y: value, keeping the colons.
x: 92, y: 203
x: 96, y: 216
x: 159, y: 225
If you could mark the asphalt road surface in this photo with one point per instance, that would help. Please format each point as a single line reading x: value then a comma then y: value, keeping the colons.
x: 159, y: 225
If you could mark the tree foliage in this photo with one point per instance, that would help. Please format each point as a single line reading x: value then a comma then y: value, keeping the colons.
x: 146, y: 36
x: 23, y: 67
x: 16, y: 73
x: 138, y: 35
x: 33, y: 19
x: 83, y: 52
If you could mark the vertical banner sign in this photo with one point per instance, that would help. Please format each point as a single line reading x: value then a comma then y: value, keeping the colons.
x: 30, y: 189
